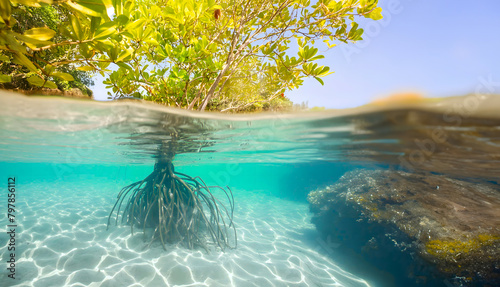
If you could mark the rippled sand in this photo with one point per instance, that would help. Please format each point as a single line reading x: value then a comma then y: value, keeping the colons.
x: 62, y: 241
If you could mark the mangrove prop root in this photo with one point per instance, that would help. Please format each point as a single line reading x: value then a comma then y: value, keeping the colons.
x: 178, y: 208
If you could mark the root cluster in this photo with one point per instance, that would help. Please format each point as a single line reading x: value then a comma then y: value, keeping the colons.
x: 177, y: 208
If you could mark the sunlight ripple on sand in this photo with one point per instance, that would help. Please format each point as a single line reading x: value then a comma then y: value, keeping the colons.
x: 63, y: 242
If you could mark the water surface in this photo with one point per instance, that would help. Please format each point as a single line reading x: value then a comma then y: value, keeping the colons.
x: 71, y: 157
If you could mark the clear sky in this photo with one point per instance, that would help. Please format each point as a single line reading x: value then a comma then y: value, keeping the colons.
x: 438, y: 48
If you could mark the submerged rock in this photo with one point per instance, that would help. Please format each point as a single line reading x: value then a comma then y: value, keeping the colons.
x: 453, y: 224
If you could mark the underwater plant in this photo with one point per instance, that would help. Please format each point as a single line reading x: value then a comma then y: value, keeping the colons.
x: 177, y: 207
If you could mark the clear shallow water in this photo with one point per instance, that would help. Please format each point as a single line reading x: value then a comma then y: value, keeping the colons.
x: 64, y: 241
x: 70, y: 158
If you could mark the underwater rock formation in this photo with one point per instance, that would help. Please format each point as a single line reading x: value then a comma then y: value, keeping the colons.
x: 453, y: 224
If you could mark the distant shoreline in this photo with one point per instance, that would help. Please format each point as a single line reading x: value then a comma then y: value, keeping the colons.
x: 71, y: 93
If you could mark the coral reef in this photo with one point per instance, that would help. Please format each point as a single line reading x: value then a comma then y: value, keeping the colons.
x: 452, y: 223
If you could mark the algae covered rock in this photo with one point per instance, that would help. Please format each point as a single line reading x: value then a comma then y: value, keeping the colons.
x: 454, y: 224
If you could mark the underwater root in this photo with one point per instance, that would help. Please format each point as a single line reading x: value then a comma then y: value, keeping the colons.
x: 179, y: 208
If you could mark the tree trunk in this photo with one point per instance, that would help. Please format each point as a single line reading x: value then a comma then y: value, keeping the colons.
x: 228, y: 63
x: 166, y: 152
x: 211, y: 91
x: 191, y: 105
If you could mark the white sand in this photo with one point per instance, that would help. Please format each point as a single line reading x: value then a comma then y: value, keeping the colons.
x: 62, y: 241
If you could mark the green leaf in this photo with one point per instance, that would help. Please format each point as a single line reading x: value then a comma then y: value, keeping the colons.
x: 376, y: 14
x: 105, y: 44
x: 35, y: 80
x: 4, y: 58
x: 323, y: 71
x: 5, y: 11
x: 113, y: 53
x: 353, y: 30
x: 41, y: 34
x: 320, y: 81
x: 49, y: 69
x: 86, y: 50
x: 328, y: 44
x: 32, y: 42
x: 77, y: 28
x: 125, y: 66
x: 103, y: 65
x: 30, y: 3
x: 199, y: 10
x: 50, y: 84
x: 316, y: 58
x: 105, y: 30
x: 63, y: 76
x: 13, y: 43
x: 94, y: 24
x: 310, y: 52
x: 23, y: 60
x: 5, y: 79
x: 85, y: 68
x: 136, y: 24
x: 358, y: 34
x: 124, y: 55
x: 89, y: 7
x: 152, y: 41
x: 122, y: 20
x: 175, y: 18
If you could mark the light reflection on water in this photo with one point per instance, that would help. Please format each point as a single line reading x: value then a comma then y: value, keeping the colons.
x: 427, y: 136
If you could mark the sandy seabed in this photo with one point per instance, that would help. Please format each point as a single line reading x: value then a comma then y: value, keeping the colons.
x: 62, y: 241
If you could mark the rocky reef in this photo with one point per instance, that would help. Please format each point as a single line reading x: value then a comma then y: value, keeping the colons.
x: 425, y: 224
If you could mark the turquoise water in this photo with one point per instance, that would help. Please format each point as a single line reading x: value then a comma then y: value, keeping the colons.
x: 70, y: 159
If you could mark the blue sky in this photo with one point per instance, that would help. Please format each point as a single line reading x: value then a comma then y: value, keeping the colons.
x: 437, y: 48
